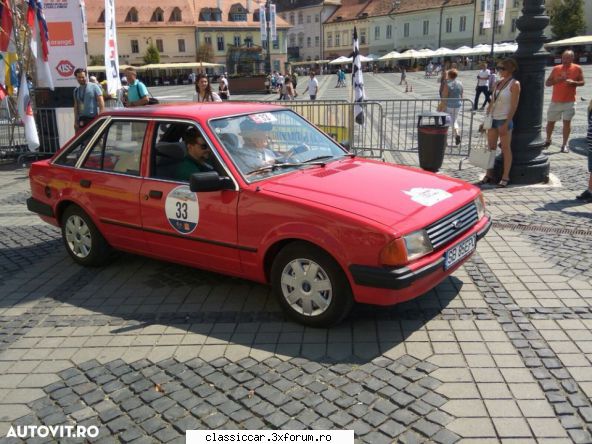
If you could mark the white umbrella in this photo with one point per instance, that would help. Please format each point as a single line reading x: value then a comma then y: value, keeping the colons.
x: 441, y: 52
x: 426, y: 53
x: 390, y: 56
x: 411, y: 54
x: 364, y: 59
x: 504, y: 48
x: 372, y: 57
x: 340, y: 60
x: 463, y: 50
x: 482, y: 49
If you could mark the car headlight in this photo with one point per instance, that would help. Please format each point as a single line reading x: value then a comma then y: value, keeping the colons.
x: 401, y: 251
x: 480, y: 204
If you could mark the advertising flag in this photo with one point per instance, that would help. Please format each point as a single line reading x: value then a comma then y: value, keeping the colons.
x: 25, y: 111
x: 488, y: 11
x: 358, y: 81
x: 5, y: 25
x: 39, y: 42
x: 501, y: 12
x: 272, y: 27
x: 262, y: 24
x: 111, y: 56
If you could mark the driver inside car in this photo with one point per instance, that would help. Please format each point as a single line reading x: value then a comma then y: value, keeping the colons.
x: 255, y: 152
x: 195, y: 160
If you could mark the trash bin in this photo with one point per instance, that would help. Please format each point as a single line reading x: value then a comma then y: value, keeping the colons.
x: 432, y: 132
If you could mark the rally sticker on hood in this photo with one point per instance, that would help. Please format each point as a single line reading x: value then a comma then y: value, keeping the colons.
x: 182, y: 209
x: 427, y: 196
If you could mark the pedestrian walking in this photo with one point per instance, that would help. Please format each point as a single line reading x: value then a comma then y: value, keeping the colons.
x: 443, y: 80
x: 203, y: 90
x: 587, y: 194
x: 137, y: 93
x: 338, y: 78
x: 482, y: 85
x: 403, y: 76
x: 288, y: 92
x: 223, y: 90
x: 88, y: 100
x: 502, y: 108
x: 564, y: 79
x: 313, y: 86
x: 452, y: 96
x: 490, y: 86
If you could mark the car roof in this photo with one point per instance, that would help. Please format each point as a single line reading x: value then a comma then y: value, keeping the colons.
x: 193, y: 110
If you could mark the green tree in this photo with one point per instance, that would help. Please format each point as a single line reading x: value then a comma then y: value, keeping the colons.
x: 97, y: 60
x: 205, y: 53
x: 152, y: 55
x: 567, y: 18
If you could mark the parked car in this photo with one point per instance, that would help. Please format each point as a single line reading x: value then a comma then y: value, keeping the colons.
x: 280, y: 202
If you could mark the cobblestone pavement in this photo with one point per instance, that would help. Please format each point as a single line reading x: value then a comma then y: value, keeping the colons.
x: 499, y: 352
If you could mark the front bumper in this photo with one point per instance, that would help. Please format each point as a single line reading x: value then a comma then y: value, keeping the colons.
x: 402, y: 277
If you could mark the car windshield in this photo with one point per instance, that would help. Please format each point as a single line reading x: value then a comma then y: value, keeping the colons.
x: 273, y: 142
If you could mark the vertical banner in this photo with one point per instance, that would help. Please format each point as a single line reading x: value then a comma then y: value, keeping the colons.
x: 487, y: 17
x: 272, y: 30
x: 84, y: 22
x: 262, y: 24
x: 66, y: 42
x: 111, y: 56
x: 501, y: 11
x: 358, y: 81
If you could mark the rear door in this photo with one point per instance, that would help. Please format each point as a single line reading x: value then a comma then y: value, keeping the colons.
x: 108, y: 183
x: 197, y: 229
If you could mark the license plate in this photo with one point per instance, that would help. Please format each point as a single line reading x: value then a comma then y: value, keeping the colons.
x: 459, y: 251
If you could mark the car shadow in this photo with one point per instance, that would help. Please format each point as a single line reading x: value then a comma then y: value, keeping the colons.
x: 562, y: 206
x: 132, y: 294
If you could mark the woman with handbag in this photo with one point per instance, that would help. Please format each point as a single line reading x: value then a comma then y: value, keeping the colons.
x: 502, y: 109
x: 203, y: 90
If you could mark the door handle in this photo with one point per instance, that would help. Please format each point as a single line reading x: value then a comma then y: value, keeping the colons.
x: 154, y: 194
x: 85, y: 183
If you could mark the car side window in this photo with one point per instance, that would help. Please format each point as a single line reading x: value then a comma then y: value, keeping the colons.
x: 119, y: 149
x: 180, y: 149
x: 72, y: 154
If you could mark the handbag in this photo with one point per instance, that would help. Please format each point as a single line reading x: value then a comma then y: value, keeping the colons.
x: 487, y: 122
x: 153, y: 101
x: 481, y: 156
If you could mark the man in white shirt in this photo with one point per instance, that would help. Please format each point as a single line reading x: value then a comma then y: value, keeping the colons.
x: 312, y: 87
x: 482, y: 85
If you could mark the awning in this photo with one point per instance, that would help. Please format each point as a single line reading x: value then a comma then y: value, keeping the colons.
x: 181, y: 65
x: 101, y: 68
x: 580, y: 40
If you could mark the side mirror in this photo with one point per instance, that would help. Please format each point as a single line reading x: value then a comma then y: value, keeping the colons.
x: 210, y: 181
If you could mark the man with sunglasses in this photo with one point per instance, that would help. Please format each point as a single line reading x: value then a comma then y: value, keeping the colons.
x: 564, y: 79
x: 198, y: 153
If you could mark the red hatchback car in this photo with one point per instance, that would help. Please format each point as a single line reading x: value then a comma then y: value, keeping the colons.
x: 256, y: 191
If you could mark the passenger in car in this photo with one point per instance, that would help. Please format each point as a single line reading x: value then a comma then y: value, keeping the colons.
x: 255, y: 152
x: 198, y: 153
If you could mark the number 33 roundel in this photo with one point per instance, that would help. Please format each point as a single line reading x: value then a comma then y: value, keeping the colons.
x: 182, y: 209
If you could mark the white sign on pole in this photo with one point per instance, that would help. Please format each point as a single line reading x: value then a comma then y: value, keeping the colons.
x: 272, y: 29
x: 501, y: 12
x: 66, y: 43
x: 111, y: 56
x: 262, y: 23
x: 487, y: 17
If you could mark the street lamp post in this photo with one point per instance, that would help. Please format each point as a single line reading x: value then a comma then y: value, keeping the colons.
x: 530, y: 165
x: 268, y: 30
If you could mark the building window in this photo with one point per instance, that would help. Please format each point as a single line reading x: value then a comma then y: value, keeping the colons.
x: 498, y: 30
x: 462, y: 26
x: 329, y: 40
x: 513, y: 25
x: 160, y: 45
x: 377, y: 33
x: 176, y: 15
x: 482, y: 5
x: 389, y: 31
x: 220, y: 42
x: 249, y: 41
x: 292, y: 41
x: 308, y: 42
x: 301, y: 40
x: 238, y: 17
x: 237, y: 40
x: 181, y: 45
x: 363, y: 37
x: 132, y: 15
x: 308, y: 19
x: 337, y: 39
x: 102, y: 17
x: 300, y: 18
x: 291, y: 18
x: 208, y: 40
x: 157, y: 15
x: 449, y: 24
x: 406, y: 30
x: 481, y: 29
x: 317, y: 41
x: 317, y: 18
x: 135, y: 46
x: 516, y: 3
x: 276, y: 43
x: 426, y: 27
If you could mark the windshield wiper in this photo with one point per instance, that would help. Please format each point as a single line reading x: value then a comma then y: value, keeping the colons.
x: 278, y: 165
x: 314, y: 159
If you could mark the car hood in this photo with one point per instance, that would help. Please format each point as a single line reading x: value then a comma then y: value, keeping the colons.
x: 401, y: 198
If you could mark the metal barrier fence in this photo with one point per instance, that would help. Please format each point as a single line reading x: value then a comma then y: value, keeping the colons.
x: 12, y: 136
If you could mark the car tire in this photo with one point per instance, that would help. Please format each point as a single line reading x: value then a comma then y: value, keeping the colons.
x: 83, y: 241
x: 321, y: 300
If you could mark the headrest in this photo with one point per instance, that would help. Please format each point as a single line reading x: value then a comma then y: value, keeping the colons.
x: 248, y: 125
x: 229, y: 140
x: 173, y: 150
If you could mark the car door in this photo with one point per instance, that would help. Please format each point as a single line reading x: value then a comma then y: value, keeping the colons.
x: 108, y: 182
x: 197, y: 229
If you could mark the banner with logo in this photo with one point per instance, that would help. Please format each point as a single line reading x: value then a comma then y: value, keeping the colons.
x: 272, y: 29
x: 262, y: 23
x: 66, y: 44
x: 111, y: 56
x: 501, y: 12
x: 488, y: 11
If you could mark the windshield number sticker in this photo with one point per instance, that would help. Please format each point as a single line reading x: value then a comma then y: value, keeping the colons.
x: 263, y: 118
x: 182, y: 209
x: 427, y: 196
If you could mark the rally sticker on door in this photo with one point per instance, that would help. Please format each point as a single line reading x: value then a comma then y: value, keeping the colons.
x: 182, y: 209
x: 427, y: 196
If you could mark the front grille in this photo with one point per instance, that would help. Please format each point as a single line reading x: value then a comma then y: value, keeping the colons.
x: 452, y: 226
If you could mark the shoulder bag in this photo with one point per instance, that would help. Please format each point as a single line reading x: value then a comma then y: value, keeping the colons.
x: 481, y: 156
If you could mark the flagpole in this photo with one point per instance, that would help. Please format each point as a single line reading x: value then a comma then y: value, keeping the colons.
x: 493, y: 25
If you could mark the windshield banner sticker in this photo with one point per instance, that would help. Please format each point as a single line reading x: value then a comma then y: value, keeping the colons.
x: 427, y: 196
x: 263, y: 118
x: 182, y: 209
